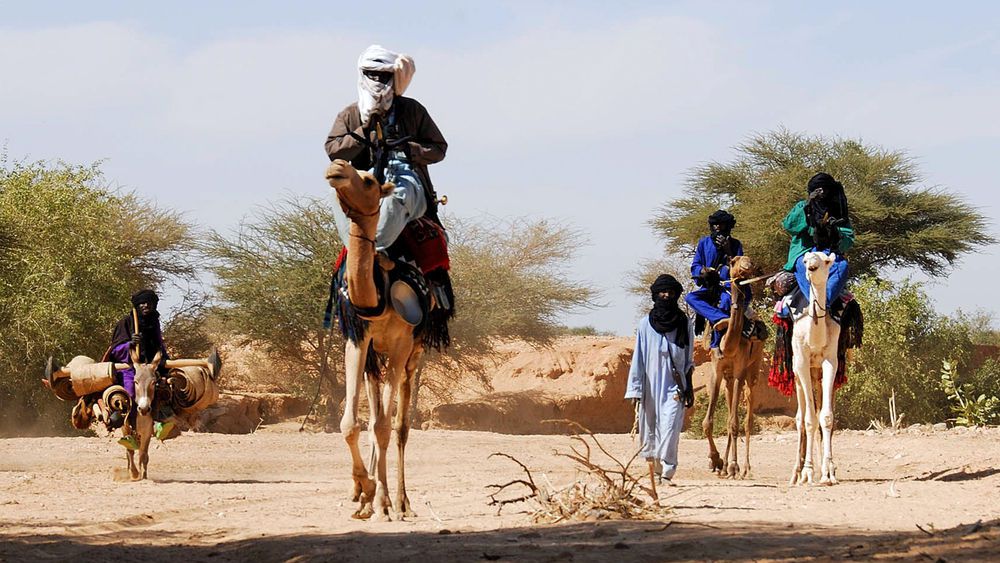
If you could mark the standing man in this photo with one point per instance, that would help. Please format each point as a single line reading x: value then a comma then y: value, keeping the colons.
x: 660, y: 376
x: 382, y: 78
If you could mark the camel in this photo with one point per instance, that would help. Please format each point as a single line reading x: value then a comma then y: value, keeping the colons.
x: 360, y: 194
x: 815, y: 336
x: 737, y: 362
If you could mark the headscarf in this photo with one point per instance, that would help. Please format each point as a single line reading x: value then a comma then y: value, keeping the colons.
x: 832, y: 204
x: 720, y: 236
x: 374, y: 96
x: 145, y: 296
x: 665, y: 315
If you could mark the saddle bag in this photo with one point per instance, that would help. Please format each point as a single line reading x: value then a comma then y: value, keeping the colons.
x: 427, y: 243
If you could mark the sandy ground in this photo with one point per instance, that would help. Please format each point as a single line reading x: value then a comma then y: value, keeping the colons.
x: 282, y: 495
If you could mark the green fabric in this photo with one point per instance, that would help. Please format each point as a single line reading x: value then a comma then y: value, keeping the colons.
x: 802, y: 236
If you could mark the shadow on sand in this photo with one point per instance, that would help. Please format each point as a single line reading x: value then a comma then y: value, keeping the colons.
x: 606, y: 541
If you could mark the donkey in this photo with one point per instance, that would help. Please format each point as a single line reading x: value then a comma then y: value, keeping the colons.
x: 145, y: 395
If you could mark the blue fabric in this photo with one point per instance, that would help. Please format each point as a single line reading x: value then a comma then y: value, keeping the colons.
x: 706, y: 255
x: 651, y: 380
x: 406, y: 203
x: 835, y: 284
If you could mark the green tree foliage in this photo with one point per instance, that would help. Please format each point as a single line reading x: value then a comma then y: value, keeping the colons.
x: 273, y: 277
x: 969, y: 408
x: 898, y: 222
x: 75, y: 252
x: 272, y: 280
x: 512, y: 280
x: 906, y: 342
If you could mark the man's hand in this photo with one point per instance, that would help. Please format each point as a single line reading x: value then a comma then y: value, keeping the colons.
x: 688, y: 397
x: 136, y: 339
x: 710, y: 277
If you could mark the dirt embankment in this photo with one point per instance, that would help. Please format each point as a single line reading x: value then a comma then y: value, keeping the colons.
x: 579, y: 378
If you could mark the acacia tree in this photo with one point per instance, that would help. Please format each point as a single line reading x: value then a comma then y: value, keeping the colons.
x: 510, y: 281
x: 898, y: 222
x: 75, y: 250
x: 272, y: 280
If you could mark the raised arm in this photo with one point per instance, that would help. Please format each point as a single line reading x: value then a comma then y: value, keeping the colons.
x: 339, y: 143
x: 428, y: 145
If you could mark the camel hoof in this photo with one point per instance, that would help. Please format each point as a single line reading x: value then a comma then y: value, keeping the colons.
x: 363, y: 513
x: 806, y: 478
x: 715, y: 464
x: 733, y: 470
x: 383, y: 515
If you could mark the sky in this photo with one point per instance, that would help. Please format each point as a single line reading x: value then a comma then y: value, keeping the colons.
x: 586, y: 113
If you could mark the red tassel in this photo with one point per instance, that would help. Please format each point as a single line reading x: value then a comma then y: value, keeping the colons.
x: 340, y: 259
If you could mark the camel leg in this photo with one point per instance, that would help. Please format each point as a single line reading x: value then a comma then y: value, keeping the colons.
x: 714, y: 461
x: 828, y: 469
x: 401, y: 424
x: 747, y: 429
x: 736, y: 393
x: 811, y: 421
x: 144, y: 427
x: 382, y: 430
x: 363, y: 486
x: 800, y: 426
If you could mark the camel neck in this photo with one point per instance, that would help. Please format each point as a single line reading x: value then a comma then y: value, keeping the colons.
x: 360, y: 262
x: 732, y: 336
x: 817, y: 313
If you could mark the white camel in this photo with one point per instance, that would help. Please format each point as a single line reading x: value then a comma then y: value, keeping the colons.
x: 814, y: 360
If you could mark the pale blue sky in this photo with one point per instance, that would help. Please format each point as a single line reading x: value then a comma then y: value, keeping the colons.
x: 580, y: 111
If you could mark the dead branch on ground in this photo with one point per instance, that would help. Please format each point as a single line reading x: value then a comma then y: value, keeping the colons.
x: 606, y: 492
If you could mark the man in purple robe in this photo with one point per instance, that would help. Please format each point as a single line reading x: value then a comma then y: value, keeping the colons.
x: 149, y: 337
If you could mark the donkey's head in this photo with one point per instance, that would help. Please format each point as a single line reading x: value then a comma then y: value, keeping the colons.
x: 145, y: 381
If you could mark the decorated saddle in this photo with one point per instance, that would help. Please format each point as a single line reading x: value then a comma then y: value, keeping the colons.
x: 417, y: 286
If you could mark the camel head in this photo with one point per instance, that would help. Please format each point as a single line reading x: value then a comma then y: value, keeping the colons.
x: 742, y: 267
x: 818, y: 265
x: 359, y: 192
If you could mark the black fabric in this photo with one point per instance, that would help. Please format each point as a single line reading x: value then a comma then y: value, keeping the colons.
x: 665, y: 315
x: 149, y: 328
x: 145, y: 296
x: 723, y: 218
x: 829, y: 205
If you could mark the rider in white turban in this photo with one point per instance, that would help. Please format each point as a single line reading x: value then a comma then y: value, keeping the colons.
x: 381, y: 75
x: 382, y: 78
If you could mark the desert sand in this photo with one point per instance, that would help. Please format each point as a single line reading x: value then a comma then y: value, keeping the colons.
x: 281, y: 495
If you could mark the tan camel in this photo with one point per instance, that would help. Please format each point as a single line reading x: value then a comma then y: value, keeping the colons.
x: 737, y: 362
x: 815, y: 336
x: 360, y: 195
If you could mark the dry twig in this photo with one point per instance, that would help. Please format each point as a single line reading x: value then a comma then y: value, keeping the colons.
x: 607, y: 492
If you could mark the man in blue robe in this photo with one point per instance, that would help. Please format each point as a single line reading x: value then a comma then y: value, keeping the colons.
x: 710, y: 271
x: 660, y: 375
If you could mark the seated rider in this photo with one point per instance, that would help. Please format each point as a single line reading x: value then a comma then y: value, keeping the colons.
x: 382, y: 78
x: 710, y: 270
x: 820, y: 223
x: 149, y: 337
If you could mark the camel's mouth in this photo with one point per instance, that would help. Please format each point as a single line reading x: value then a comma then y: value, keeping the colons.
x: 813, y: 268
x: 337, y: 176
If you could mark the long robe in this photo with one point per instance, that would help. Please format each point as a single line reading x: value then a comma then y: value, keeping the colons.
x: 656, y: 378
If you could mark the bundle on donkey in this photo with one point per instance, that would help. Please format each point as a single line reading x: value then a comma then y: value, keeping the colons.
x: 187, y: 388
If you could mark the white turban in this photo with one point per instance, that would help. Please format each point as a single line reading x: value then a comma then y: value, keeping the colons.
x: 373, y: 96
